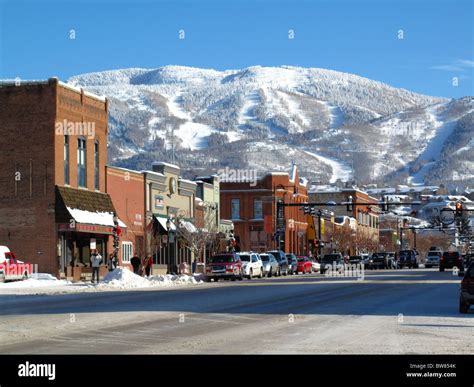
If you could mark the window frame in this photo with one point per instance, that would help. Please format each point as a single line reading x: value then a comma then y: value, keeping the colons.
x: 232, y: 201
x: 81, y: 166
x: 66, y: 160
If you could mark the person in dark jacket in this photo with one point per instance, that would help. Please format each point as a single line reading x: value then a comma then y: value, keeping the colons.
x: 136, y: 261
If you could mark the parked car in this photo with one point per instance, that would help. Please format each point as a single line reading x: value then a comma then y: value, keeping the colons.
x: 378, y: 260
x: 432, y: 258
x: 11, y: 268
x: 304, y: 265
x: 270, y: 265
x: 355, y: 259
x: 315, y: 265
x: 330, y: 260
x: 467, y: 259
x: 251, y: 264
x: 292, y: 263
x: 408, y: 258
x: 282, y: 260
x: 450, y: 259
x: 224, y: 266
x: 466, y: 297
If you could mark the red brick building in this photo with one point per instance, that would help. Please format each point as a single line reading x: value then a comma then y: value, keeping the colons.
x: 365, y: 212
x: 253, y: 209
x: 53, y: 205
x: 127, y: 190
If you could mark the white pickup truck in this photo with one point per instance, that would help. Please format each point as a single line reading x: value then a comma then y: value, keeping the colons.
x: 11, y: 268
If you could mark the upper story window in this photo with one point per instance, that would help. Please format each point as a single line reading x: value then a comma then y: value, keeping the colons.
x: 81, y: 162
x: 235, y: 208
x: 257, y: 209
x: 96, y: 166
x: 66, y: 160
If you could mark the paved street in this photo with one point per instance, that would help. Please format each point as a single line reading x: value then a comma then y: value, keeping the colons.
x: 403, y: 311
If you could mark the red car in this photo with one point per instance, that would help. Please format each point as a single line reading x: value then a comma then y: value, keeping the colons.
x: 224, y: 266
x: 11, y: 268
x: 304, y: 265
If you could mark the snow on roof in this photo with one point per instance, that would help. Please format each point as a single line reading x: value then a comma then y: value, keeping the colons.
x: 165, y: 164
x: 303, y: 181
x: 381, y: 190
x: 97, y: 218
x: 323, y: 188
x: 77, y: 89
x: 153, y: 173
x: 187, y: 181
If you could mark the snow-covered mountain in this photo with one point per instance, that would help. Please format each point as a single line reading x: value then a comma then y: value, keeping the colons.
x: 335, y: 125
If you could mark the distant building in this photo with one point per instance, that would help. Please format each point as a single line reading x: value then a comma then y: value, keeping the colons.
x: 364, y: 211
x: 252, y: 207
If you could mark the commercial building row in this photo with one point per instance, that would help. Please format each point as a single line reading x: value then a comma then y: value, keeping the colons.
x: 60, y: 200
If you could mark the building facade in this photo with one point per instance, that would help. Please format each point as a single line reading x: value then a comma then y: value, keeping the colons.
x: 170, y: 203
x: 127, y: 191
x: 364, y: 211
x: 53, y: 204
x: 252, y: 207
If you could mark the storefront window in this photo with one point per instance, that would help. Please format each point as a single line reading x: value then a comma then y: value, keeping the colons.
x: 127, y: 251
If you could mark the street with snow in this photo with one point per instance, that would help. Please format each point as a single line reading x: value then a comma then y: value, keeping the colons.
x: 405, y: 311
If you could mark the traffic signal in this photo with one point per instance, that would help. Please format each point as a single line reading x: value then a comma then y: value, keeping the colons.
x: 459, y: 209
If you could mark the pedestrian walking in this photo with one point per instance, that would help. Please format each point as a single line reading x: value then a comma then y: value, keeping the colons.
x: 135, y: 261
x: 96, y: 261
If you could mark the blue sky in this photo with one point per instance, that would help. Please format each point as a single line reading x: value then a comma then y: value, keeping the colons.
x: 360, y: 37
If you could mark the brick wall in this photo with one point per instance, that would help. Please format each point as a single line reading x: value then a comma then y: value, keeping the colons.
x: 252, y: 232
x: 127, y: 190
x: 27, y: 225
x: 31, y: 151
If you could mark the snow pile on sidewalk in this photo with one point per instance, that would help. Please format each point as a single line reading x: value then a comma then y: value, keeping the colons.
x: 124, y: 279
x: 167, y: 280
x: 37, y: 280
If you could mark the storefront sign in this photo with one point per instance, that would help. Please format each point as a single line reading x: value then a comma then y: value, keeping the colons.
x: 79, y: 227
x: 164, y: 238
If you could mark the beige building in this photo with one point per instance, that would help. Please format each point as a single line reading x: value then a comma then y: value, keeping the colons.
x: 170, y: 213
